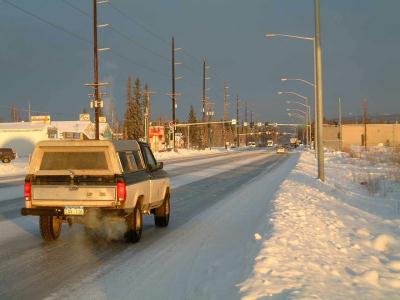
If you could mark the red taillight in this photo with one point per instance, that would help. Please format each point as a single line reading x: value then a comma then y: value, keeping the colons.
x: 28, y: 191
x: 121, y: 191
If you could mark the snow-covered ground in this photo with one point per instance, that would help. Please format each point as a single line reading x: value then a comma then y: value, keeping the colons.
x: 333, y: 240
x: 16, y: 167
x: 279, y: 233
x: 187, y: 153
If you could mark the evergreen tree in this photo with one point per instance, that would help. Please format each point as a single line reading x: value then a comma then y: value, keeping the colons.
x: 139, y: 106
x: 193, y: 130
x: 133, y: 114
x: 130, y: 112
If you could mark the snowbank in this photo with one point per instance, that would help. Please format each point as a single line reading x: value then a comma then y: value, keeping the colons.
x: 186, y: 153
x: 330, y: 240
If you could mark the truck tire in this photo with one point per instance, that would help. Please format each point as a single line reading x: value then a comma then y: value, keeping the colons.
x: 5, y: 160
x: 50, y: 227
x: 161, y: 214
x: 134, y: 223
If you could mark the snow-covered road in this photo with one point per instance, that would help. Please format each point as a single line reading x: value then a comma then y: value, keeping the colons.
x: 207, y: 250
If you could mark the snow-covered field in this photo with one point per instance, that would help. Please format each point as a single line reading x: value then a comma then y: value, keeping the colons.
x: 333, y: 240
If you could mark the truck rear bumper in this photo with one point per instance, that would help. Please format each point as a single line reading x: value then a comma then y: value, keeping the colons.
x: 59, y: 211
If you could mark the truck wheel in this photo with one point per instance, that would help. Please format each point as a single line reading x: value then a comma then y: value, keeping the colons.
x: 5, y: 160
x: 134, y: 222
x: 161, y: 214
x: 50, y: 227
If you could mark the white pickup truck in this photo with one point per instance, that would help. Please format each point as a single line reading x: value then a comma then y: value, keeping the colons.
x: 70, y: 181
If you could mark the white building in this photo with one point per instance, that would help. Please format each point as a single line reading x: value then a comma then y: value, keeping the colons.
x: 23, y: 136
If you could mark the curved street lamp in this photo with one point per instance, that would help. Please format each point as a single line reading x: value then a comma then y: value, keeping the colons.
x: 298, y: 110
x: 299, y: 79
x: 308, y: 114
x: 293, y: 93
x: 312, y: 39
x: 300, y: 37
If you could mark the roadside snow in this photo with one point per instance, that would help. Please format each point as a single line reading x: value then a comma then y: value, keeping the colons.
x: 187, y: 153
x: 329, y: 241
x: 16, y: 167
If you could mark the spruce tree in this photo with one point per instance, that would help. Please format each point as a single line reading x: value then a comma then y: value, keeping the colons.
x: 134, y: 125
x: 139, y: 107
x: 130, y: 112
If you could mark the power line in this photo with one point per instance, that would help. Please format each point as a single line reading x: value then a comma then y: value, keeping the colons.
x: 37, y: 111
x: 77, y: 9
x: 145, y: 28
x: 59, y: 27
x: 121, y: 34
x: 48, y: 22
x: 135, y: 42
x: 159, y: 37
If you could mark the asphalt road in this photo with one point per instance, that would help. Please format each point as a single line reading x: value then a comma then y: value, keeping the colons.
x: 32, y: 269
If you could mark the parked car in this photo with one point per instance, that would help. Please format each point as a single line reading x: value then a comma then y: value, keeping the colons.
x: 7, y: 155
x: 72, y: 181
x: 252, y: 144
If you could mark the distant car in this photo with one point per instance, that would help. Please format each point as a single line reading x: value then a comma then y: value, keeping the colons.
x: 281, y: 150
x: 7, y: 155
x: 252, y: 144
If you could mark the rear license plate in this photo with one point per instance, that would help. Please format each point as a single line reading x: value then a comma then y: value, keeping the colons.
x: 74, y: 211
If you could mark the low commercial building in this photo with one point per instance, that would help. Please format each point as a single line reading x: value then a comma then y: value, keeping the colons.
x: 356, y: 135
x: 23, y: 136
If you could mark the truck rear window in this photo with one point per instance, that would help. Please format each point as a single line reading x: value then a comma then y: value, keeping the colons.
x: 74, y: 161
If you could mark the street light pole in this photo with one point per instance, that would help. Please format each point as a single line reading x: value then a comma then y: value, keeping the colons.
x: 340, y: 124
x: 305, y: 116
x: 308, y: 116
x: 173, y: 94
x: 308, y: 108
x: 237, y: 121
x: 315, y: 74
x: 319, y: 89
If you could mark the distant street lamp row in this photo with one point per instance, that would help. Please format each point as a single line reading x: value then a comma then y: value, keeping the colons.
x: 318, y: 89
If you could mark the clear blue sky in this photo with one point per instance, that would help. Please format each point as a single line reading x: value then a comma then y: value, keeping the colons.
x: 360, y: 40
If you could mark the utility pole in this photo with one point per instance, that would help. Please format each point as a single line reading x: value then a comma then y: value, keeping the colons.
x: 245, y: 124
x: 173, y: 94
x: 320, y: 100
x: 203, y: 105
x: 97, y: 108
x: 237, y: 121
x: 29, y: 110
x: 340, y: 124
x: 96, y: 103
x: 251, y: 127
x: 225, y: 115
x: 365, y: 105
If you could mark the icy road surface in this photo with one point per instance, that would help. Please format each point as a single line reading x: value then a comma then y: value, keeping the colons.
x: 219, y: 202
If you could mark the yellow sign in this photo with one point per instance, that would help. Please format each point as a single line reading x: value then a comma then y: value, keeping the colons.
x: 40, y: 119
x: 84, y: 117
